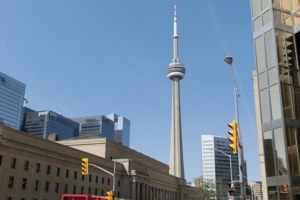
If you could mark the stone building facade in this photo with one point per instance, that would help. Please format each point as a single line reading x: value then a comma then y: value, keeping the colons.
x: 34, y: 168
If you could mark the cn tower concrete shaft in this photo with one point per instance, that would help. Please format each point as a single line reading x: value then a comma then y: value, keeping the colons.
x: 176, y: 155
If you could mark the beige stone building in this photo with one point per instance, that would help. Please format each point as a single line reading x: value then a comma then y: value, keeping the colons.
x: 32, y: 168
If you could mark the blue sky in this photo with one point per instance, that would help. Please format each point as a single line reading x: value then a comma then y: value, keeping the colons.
x: 101, y: 56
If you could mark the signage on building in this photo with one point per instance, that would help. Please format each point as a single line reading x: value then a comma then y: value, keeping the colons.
x: 43, y: 113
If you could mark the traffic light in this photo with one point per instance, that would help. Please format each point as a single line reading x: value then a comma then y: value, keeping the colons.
x: 231, y: 188
x: 110, y: 195
x: 84, y: 166
x: 234, y: 139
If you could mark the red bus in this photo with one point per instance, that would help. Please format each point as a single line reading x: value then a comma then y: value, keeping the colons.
x: 81, y: 197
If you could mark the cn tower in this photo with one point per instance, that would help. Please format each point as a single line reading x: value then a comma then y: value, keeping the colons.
x: 176, y: 72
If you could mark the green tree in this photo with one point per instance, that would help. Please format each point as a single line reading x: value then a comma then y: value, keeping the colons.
x: 206, y: 188
x: 209, y: 189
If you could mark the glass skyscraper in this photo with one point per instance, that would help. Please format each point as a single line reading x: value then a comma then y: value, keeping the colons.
x: 276, y: 34
x: 12, y: 93
x: 44, y: 123
x: 96, y: 125
x: 122, y: 129
x: 112, y: 126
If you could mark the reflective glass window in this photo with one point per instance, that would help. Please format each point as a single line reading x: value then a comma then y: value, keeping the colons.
x: 255, y: 7
x: 296, y: 3
x: 264, y: 4
x: 272, y: 193
x: 257, y: 24
x: 287, y: 19
x: 277, y: 16
x: 285, y: 4
x: 265, y: 106
x: 270, y: 49
x: 287, y: 99
x: 266, y: 17
x: 275, y: 102
x: 292, y: 143
x: 280, y: 152
x: 269, y: 154
x: 263, y: 80
x: 290, y: 50
x: 273, y: 76
x: 297, y: 18
x: 260, y: 54
x: 276, y: 3
x: 281, y: 48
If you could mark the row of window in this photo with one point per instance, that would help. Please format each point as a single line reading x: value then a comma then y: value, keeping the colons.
x: 36, y: 184
x: 48, y: 170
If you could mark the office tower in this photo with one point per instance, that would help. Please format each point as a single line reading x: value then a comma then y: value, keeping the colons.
x: 12, y: 93
x: 96, y: 125
x: 256, y: 192
x: 44, y: 123
x: 276, y: 34
x: 216, y: 165
x: 176, y: 72
x: 121, y: 129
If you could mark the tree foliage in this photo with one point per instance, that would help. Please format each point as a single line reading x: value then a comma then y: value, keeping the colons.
x: 210, y: 189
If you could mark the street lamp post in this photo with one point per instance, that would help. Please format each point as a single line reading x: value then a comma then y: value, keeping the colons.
x: 228, y: 60
x: 229, y: 161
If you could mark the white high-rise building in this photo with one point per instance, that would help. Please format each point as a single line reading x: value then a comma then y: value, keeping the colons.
x: 215, y: 164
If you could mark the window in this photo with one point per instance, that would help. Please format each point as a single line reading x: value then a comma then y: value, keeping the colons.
x: 48, y: 169
x: 24, y: 182
x: 90, y: 177
x: 102, y: 180
x: 89, y: 190
x: 119, y: 183
x: 82, y: 189
x: 13, y: 163
x: 36, y: 185
x: 74, y: 189
x: 75, y: 175
x: 22, y: 198
x: 96, y: 179
x: 82, y: 177
x: 37, y: 167
x: 58, y: 171
x: 8, y: 198
x: 47, y: 186
x: 11, y: 182
x: 1, y: 158
x: 101, y: 192
x: 108, y: 181
x: 26, y: 164
x: 56, y: 187
x: 67, y: 173
x: 96, y: 191
x: 66, y: 188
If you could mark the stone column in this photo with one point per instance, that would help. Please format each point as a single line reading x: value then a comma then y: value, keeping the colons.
x: 138, y: 189
x: 133, y: 189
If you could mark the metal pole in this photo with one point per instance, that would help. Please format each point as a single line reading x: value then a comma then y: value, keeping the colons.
x: 114, y: 176
x: 240, y: 149
x: 229, y: 161
x: 230, y: 168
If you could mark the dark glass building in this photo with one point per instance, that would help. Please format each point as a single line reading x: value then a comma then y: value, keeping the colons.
x: 96, y: 125
x: 44, y: 123
x: 276, y: 33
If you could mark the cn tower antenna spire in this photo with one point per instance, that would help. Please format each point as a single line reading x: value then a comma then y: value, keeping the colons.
x: 175, y: 36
